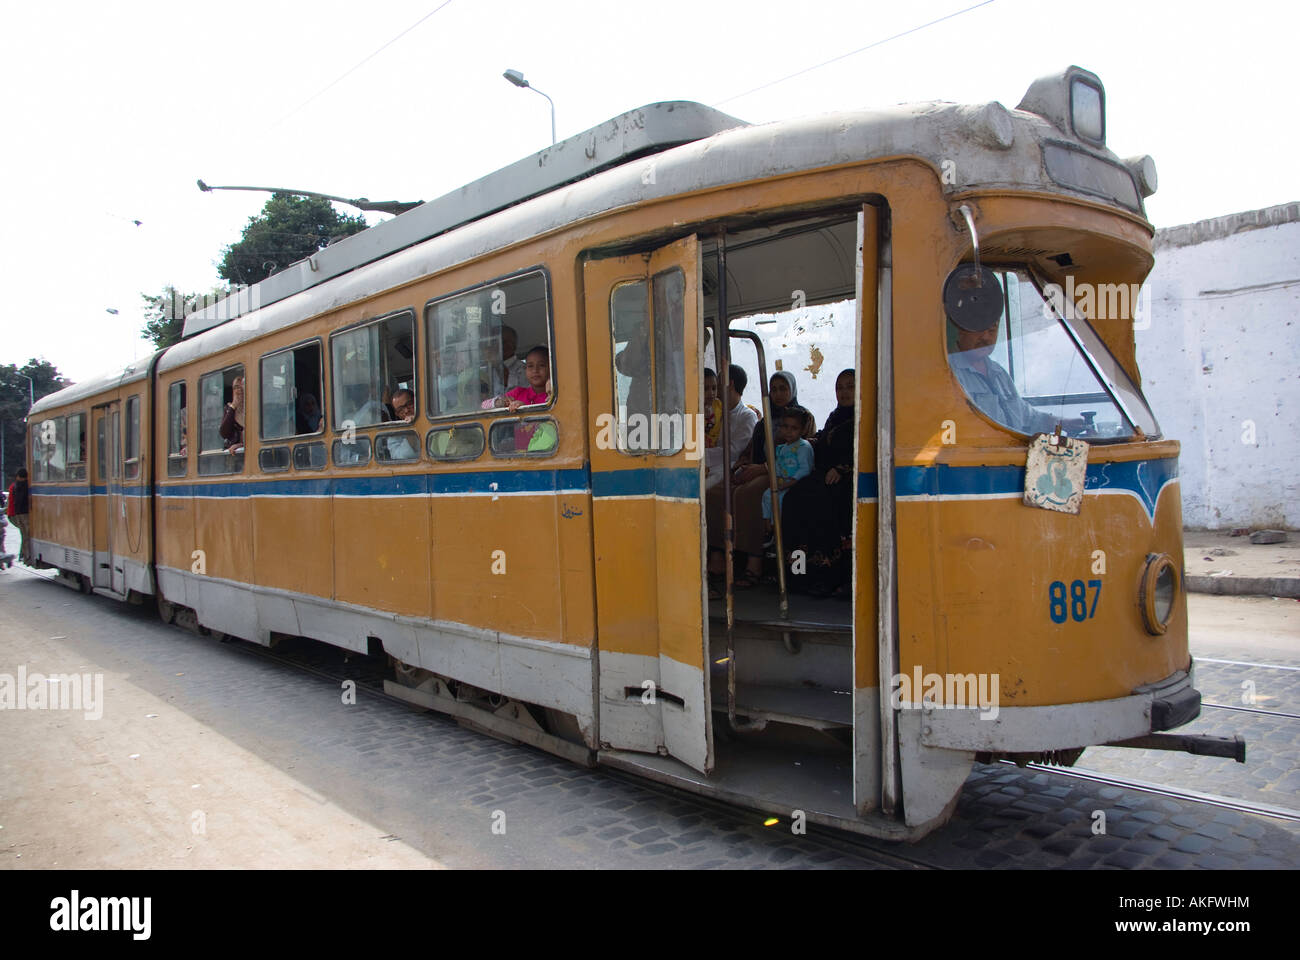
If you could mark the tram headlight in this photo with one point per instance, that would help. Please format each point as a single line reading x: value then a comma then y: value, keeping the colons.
x: 1087, y: 109
x: 1073, y: 101
x: 1158, y: 593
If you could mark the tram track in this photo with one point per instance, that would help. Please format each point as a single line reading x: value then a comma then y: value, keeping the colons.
x: 861, y: 846
x: 370, y: 678
x: 1265, y: 713
x: 1174, y: 793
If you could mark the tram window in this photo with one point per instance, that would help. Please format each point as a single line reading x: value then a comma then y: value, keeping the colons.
x: 101, y: 440
x: 369, y: 364
x: 273, y: 459
x: 478, y: 342
x: 456, y: 443
x: 216, y: 389
x: 649, y: 363
x: 76, y: 447
x: 534, y: 437
x: 397, y: 447
x: 354, y: 452
x: 177, y: 431
x: 48, y: 449
x: 132, y: 437
x: 291, y: 393
x: 309, y: 456
x: 1028, y: 374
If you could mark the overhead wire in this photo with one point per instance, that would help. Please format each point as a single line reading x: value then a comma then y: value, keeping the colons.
x: 360, y: 64
x: 852, y: 53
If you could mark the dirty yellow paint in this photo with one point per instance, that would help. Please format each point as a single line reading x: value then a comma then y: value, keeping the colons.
x: 816, y: 358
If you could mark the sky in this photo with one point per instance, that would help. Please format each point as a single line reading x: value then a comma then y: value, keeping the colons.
x: 111, y: 111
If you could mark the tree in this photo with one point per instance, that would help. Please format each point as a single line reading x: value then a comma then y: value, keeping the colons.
x: 15, y: 398
x: 165, y: 313
x: 288, y: 229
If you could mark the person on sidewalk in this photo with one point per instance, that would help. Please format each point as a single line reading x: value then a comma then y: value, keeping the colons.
x: 16, y: 511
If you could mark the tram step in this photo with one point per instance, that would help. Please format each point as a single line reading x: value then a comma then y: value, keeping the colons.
x: 805, y: 706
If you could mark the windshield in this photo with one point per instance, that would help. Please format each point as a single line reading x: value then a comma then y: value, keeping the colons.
x: 1033, y: 370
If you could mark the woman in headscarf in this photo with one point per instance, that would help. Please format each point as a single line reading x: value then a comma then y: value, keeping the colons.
x: 750, y: 480
x: 818, y: 514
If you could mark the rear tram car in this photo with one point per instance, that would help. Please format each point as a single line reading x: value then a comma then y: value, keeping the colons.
x: 539, y: 568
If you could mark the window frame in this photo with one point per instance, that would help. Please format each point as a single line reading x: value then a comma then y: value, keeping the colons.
x: 450, y: 428
x: 80, y: 463
x: 495, y: 412
x: 238, y: 460
x: 515, y: 420
x: 647, y: 281
x: 415, y: 366
x: 320, y: 397
x: 131, y: 439
x: 175, y: 459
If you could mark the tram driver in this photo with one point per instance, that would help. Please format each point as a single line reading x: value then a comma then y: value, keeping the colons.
x: 991, y: 388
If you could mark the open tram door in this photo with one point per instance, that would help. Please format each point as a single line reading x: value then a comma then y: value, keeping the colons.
x: 644, y: 375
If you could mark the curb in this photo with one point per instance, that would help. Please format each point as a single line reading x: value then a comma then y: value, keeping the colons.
x: 1246, y: 586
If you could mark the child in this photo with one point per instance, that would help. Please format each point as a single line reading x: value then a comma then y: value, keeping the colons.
x: 528, y: 436
x: 537, y: 371
x: 794, y: 458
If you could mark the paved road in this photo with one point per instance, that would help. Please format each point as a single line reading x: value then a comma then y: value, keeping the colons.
x: 290, y: 775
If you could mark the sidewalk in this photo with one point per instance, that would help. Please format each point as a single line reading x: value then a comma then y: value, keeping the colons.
x: 1217, y: 562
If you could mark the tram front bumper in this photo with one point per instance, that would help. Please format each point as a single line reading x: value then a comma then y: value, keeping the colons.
x: 1174, y: 701
x: 1064, y: 726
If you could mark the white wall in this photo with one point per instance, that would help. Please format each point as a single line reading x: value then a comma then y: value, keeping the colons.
x: 1222, y: 356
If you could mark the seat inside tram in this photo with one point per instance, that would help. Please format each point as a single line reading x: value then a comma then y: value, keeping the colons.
x: 792, y: 286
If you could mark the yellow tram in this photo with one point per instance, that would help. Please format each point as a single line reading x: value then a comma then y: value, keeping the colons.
x: 537, y: 566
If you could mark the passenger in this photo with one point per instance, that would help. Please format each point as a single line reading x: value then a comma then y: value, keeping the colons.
x: 712, y: 410
x: 741, y: 420
x: 16, y: 508
x: 792, y: 459
x: 538, y: 391
x: 751, y: 481
x: 232, y: 423
x: 309, y: 413
x: 817, y: 512
x: 404, y: 405
x: 511, y: 372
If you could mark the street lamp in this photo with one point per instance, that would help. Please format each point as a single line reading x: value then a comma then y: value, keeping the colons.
x: 31, y: 390
x: 517, y: 78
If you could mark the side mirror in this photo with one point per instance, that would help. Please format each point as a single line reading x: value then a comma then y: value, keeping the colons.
x: 972, y: 298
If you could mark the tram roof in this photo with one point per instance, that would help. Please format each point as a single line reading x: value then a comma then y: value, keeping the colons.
x: 647, y: 130
x: 984, y: 146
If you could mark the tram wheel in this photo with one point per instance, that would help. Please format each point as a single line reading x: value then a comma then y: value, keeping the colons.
x: 166, y: 610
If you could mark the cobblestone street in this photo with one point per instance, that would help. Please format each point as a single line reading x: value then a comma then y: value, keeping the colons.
x: 419, y: 782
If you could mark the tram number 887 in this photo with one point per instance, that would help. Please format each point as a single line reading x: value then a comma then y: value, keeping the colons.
x: 1077, y: 608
